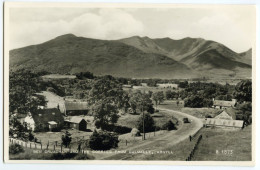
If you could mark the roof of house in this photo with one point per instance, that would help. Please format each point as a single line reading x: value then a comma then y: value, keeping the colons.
x: 226, y: 115
x: 47, y: 115
x: 127, y: 86
x: 223, y: 122
x: 231, y: 112
x: 75, y: 119
x: 167, y: 84
x: 52, y: 123
x: 224, y: 103
x: 69, y: 105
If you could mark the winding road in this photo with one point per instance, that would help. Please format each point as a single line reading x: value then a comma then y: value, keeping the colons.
x: 161, y: 142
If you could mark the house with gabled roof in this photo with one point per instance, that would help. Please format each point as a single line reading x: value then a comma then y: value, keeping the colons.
x: 45, y: 119
x: 227, y: 119
x: 228, y: 114
x: 222, y: 104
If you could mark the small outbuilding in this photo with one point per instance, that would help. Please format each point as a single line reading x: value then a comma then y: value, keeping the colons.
x: 76, y: 108
x: 222, y: 104
x: 78, y: 123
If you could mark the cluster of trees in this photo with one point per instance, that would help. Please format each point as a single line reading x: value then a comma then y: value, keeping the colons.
x: 141, y: 102
x: 169, y: 95
x: 106, y: 97
x: 22, y: 86
x: 20, y: 131
x: 158, y: 97
x: 243, y: 91
x: 103, y: 140
x: 85, y: 75
x: 201, y: 94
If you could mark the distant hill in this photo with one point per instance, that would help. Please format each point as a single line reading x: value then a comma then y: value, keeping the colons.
x: 198, y: 54
x: 246, y: 57
x: 71, y: 54
x: 137, y: 57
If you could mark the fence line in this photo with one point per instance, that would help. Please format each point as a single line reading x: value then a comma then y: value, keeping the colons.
x: 194, y: 149
x: 196, y: 133
x: 33, y: 145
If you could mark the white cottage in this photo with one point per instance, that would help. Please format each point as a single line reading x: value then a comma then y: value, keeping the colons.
x: 29, y: 121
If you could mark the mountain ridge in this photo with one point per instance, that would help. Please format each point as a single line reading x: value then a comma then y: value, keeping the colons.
x: 140, y: 57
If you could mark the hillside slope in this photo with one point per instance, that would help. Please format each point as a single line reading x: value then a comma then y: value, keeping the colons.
x: 136, y: 57
x: 71, y: 54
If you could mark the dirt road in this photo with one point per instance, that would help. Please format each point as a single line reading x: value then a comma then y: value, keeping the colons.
x: 159, y: 143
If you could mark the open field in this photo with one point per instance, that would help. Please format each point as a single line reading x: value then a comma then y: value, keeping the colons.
x: 53, y: 100
x: 201, y: 112
x: 223, y: 145
x: 197, y: 112
x: 51, y: 137
x: 130, y: 120
x: 58, y: 76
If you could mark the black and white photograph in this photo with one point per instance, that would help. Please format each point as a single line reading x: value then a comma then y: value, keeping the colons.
x: 146, y: 83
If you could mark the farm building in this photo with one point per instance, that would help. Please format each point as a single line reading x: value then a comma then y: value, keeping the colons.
x: 168, y: 85
x: 227, y: 114
x: 222, y: 104
x: 76, y: 108
x: 137, y: 87
x: 224, y: 123
x: 144, y: 84
x: 77, y: 123
x: 127, y: 86
x: 45, y: 119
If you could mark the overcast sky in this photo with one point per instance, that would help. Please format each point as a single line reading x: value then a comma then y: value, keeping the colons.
x: 231, y: 26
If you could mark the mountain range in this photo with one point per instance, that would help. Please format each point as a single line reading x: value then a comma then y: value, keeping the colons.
x: 136, y: 57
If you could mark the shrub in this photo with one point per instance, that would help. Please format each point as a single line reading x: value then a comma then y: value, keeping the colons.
x: 117, y: 129
x: 103, y: 140
x: 15, y: 149
x: 66, y: 139
x: 169, y: 125
x: 56, y: 129
x: 31, y: 136
x: 150, y: 109
x: 149, y: 124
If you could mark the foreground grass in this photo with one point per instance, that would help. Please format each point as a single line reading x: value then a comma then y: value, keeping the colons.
x: 30, y: 154
x: 217, y: 145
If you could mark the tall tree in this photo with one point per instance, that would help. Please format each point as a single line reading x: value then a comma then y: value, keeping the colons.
x: 158, y: 97
x: 243, y: 91
x: 104, y: 114
x: 140, y: 101
x: 106, y: 97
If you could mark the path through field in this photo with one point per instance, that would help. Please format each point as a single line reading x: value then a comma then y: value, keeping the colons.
x: 159, y: 143
x: 53, y: 100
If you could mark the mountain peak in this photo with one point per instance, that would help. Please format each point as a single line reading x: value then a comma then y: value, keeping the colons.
x: 66, y: 36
